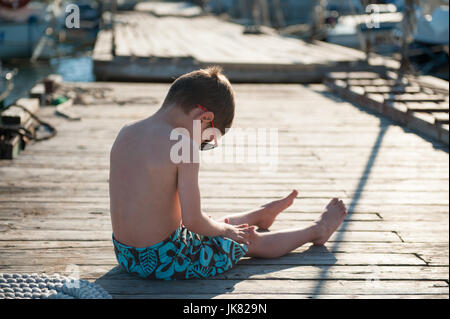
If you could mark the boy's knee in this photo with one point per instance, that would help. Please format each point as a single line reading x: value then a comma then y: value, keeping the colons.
x: 254, y: 237
x: 261, y: 247
x: 254, y: 248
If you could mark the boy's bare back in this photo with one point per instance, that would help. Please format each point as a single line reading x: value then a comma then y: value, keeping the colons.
x: 144, y: 203
x: 152, y: 194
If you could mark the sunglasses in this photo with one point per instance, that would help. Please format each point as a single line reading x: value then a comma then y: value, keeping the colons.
x: 205, y: 146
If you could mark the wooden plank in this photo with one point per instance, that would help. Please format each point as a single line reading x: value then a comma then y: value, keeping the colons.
x: 32, y: 216
x: 276, y: 296
x: 284, y: 221
x: 103, y: 46
x: 427, y: 107
x: 349, y: 247
x: 415, y: 98
x: 262, y: 287
x: 423, y: 122
x: 243, y: 272
x: 392, y: 89
x: 431, y: 82
x: 120, y: 41
x: 408, y: 212
x: 372, y: 82
x: 67, y: 234
x: 424, y: 237
x: 15, y: 115
x: 38, y: 92
x: 441, y: 117
x: 243, y: 204
x: 354, y: 75
x: 103, y: 256
x: 421, y: 249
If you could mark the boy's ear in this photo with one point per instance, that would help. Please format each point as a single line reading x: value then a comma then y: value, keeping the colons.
x: 207, y: 116
x: 202, y: 115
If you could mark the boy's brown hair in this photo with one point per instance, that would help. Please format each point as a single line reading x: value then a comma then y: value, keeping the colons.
x: 209, y: 88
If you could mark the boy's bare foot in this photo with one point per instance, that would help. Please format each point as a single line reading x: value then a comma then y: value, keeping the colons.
x: 265, y: 217
x: 330, y: 220
x: 272, y: 209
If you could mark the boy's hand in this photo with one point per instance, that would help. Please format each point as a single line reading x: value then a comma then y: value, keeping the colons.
x: 239, y: 233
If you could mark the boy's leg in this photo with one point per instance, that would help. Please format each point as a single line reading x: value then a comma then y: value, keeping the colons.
x: 279, y: 243
x: 265, y: 216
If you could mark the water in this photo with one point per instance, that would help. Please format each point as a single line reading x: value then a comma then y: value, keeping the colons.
x: 77, y: 68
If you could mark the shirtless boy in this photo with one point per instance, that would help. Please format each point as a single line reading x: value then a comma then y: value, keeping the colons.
x: 159, y: 229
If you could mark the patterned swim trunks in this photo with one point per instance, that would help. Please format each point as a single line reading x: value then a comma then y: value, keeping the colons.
x: 184, y: 255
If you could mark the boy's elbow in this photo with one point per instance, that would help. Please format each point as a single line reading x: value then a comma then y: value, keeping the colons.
x: 191, y: 222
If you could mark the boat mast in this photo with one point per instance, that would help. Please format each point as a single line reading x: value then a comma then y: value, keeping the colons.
x: 317, y: 19
x: 408, y: 27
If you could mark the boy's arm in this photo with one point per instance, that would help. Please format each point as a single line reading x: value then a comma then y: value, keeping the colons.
x: 193, y: 217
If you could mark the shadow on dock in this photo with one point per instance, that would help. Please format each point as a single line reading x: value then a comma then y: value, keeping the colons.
x: 354, y: 202
x: 119, y: 283
x: 386, y: 121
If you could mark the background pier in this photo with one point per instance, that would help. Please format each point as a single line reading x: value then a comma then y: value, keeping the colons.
x: 142, y: 46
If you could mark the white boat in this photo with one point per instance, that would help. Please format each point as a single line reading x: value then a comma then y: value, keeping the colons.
x: 345, y: 32
x: 433, y: 28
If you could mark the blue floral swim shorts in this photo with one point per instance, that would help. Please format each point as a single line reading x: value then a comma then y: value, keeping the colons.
x: 184, y: 255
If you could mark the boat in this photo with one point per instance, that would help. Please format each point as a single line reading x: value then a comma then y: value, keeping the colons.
x: 125, y: 5
x: 23, y: 28
x: 349, y: 28
x: 433, y: 28
x: 291, y: 12
x: 430, y: 49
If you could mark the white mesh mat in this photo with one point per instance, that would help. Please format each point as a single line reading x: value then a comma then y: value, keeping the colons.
x: 42, y: 286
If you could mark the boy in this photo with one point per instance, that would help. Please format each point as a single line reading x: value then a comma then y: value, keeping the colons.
x: 159, y: 230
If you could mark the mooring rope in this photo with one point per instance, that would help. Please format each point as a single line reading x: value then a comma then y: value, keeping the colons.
x: 43, y: 286
x: 23, y: 131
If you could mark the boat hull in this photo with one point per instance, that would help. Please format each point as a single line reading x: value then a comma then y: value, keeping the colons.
x: 18, y: 39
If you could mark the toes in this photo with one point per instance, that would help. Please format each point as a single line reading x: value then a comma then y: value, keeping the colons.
x: 292, y: 195
x: 334, y: 201
x: 343, y: 210
x: 288, y: 200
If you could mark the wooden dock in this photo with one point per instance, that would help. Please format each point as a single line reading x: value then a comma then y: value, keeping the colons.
x: 419, y: 103
x: 54, y: 204
x: 146, y: 46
